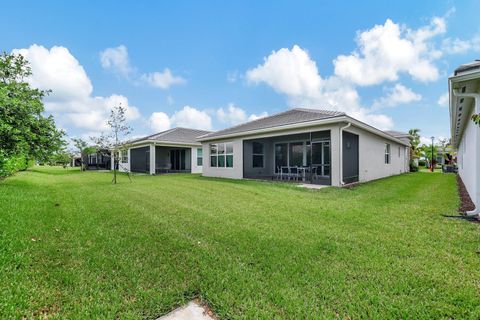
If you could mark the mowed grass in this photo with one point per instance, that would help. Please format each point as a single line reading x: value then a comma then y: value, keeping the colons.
x: 72, y: 245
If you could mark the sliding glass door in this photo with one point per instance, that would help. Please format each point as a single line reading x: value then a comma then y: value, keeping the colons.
x: 281, y: 155
x: 320, y: 161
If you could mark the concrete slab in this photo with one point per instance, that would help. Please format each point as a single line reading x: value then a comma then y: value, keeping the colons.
x: 191, y: 311
x: 311, y: 186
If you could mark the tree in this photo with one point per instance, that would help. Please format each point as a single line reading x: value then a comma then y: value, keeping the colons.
x: 414, y: 137
x: 113, y: 140
x: 476, y: 118
x: 426, y: 151
x: 24, y: 130
x: 62, y: 158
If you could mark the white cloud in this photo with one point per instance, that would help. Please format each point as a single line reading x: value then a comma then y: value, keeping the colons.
x: 232, y: 115
x: 459, y: 46
x: 259, y: 116
x: 443, y: 100
x: 71, y: 100
x: 295, y: 74
x: 58, y: 70
x: 387, y: 50
x: 399, y: 94
x: 159, y: 121
x: 291, y: 72
x: 187, y: 117
x: 190, y: 117
x: 117, y: 60
x: 162, y: 80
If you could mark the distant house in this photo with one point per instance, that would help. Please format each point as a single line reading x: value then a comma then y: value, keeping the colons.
x: 172, y: 151
x: 464, y: 92
x: 94, y: 161
x: 313, y: 146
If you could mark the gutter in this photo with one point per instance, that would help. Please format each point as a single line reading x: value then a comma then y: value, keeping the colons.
x: 476, y: 97
x: 341, y: 152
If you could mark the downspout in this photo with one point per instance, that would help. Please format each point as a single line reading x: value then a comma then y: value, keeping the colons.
x: 341, y: 152
x: 476, y: 98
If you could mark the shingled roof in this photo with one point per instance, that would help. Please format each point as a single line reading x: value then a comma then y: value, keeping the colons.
x: 297, y: 115
x: 467, y: 67
x: 175, y: 135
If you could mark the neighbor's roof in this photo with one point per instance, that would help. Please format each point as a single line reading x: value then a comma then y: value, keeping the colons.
x: 175, y: 135
x: 403, y: 136
x: 397, y: 134
x: 297, y: 115
x: 467, y: 67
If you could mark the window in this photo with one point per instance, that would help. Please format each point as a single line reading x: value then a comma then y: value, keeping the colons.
x: 213, y: 155
x: 199, y: 157
x: 221, y: 155
x: 387, y: 153
x: 399, y: 152
x: 257, y: 157
x: 296, y: 154
x: 124, y: 156
x: 93, y: 158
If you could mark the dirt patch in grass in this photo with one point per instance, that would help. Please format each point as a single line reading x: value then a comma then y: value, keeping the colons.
x: 466, y: 203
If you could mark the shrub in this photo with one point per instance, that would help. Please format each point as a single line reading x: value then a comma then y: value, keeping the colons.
x: 413, y: 166
x: 421, y: 163
x: 10, y: 165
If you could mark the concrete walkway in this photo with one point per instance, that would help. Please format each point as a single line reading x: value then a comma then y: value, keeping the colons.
x: 311, y: 186
x: 191, y: 311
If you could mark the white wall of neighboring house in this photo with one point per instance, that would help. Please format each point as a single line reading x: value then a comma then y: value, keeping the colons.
x: 467, y: 160
x: 194, y: 155
x: 233, y: 173
x: 122, y: 166
x: 372, y: 156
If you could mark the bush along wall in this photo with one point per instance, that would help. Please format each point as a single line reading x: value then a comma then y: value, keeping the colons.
x: 10, y: 165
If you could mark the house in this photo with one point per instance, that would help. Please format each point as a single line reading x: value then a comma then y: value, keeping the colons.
x: 171, y: 151
x: 464, y: 93
x: 93, y: 161
x: 315, y: 146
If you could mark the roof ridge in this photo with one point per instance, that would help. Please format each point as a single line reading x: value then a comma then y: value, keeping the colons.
x: 319, y: 110
x: 255, y: 120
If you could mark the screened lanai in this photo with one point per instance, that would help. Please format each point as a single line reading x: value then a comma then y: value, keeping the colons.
x: 298, y: 157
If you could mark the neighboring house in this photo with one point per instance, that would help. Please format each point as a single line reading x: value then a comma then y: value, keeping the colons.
x: 94, y: 161
x: 98, y: 160
x: 464, y: 92
x: 171, y: 151
x: 328, y: 147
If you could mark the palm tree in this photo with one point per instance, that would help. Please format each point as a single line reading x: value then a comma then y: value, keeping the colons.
x: 414, y: 136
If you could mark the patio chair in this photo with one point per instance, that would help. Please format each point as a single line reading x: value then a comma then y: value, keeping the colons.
x: 294, y: 173
x: 278, y: 173
x: 284, y: 173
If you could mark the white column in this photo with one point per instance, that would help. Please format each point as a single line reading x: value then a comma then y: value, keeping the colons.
x: 152, y: 159
x: 335, y: 161
x: 112, y: 159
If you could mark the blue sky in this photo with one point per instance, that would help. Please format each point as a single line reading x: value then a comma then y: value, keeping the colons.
x: 213, y: 64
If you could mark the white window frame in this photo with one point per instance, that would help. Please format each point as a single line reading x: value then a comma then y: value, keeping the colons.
x: 259, y: 154
x: 123, y: 156
x: 200, y: 157
x: 387, y: 158
x: 224, y: 154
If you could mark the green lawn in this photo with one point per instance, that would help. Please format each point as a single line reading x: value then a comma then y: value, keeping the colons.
x: 72, y: 245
